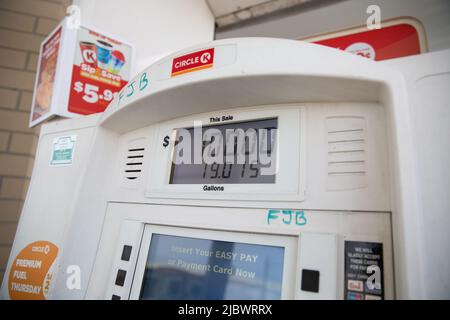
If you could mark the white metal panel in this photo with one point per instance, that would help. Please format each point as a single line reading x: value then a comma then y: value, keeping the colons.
x: 201, y: 220
x: 130, y: 235
x: 262, y: 73
x: 234, y: 221
x: 49, y: 207
x: 319, y: 252
x: 428, y: 79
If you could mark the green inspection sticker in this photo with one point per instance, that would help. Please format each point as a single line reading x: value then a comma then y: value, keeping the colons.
x: 62, y: 150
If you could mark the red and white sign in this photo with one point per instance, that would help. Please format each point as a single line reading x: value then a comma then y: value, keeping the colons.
x: 395, y: 39
x: 194, y: 61
x: 79, y: 73
x: 100, y: 70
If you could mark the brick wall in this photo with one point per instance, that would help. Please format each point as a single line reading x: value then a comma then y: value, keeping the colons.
x: 23, y: 26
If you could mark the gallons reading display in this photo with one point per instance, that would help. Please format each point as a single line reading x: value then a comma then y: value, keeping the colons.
x: 234, y: 153
x: 190, y: 268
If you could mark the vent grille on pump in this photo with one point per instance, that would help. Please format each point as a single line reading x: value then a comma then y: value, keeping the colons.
x: 134, y: 163
x: 346, y: 139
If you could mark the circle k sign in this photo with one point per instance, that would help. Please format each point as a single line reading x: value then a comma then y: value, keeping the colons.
x: 194, y: 61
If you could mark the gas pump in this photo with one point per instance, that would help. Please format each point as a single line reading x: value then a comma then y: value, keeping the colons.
x: 336, y: 218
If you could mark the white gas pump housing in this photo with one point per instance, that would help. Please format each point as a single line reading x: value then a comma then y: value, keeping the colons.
x: 347, y: 187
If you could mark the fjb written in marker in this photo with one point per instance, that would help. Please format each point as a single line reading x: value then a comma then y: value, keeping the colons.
x: 286, y: 217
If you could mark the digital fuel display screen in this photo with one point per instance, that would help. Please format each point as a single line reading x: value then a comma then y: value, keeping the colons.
x: 232, y: 153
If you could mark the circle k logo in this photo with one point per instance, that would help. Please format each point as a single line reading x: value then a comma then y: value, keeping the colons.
x: 205, y: 57
x: 362, y: 49
x: 89, y: 56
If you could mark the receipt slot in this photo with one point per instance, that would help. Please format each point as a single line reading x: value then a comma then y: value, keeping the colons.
x: 140, y: 202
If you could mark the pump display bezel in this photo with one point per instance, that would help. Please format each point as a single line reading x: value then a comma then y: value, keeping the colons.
x: 289, y: 183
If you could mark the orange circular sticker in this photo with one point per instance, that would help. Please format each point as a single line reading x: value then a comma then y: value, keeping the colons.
x: 30, y: 275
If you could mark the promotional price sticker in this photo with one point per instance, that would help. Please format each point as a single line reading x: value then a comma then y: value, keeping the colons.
x: 93, y: 94
x: 101, y: 65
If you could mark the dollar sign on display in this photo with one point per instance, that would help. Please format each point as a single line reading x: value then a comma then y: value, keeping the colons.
x: 166, y: 141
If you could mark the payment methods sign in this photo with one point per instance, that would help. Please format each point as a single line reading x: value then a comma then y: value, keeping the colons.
x: 194, y: 61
